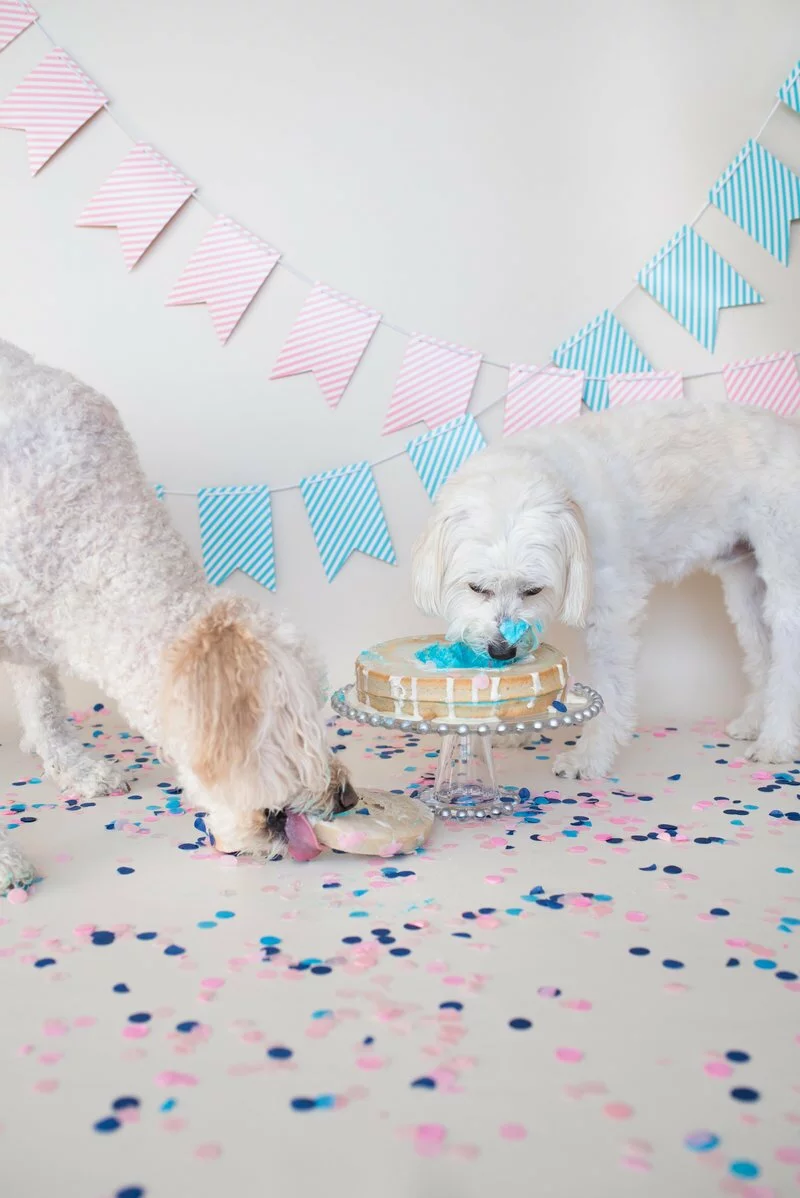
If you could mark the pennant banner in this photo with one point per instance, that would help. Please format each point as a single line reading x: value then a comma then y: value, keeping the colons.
x: 644, y: 388
x: 762, y: 196
x: 600, y: 348
x: 328, y: 339
x: 160, y: 490
x: 345, y: 513
x: 790, y: 92
x: 140, y: 197
x: 236, y: 533
x: 434, y: 384
x: 771, y: 382
x: 692, y: 281
x: 438, y: 454
x: 550, y: 396
x: 225, y: 272
x: 50, y: 105
x: 15, y: 15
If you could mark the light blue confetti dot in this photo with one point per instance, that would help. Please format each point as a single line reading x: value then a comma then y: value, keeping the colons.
x: 270, y: 940
x: 207, y: 923
x: 764, y: 963
x: 225, y: 914
x: 747, y: 1169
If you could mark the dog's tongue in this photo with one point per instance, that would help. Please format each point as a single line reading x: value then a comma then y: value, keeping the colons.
x: 303, y: 844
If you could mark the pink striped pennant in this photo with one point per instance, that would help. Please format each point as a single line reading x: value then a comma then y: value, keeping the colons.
x: 225, y: 272
x: 328, y: 339
x: 645, y: 386
x: 140, y: 197
x: 434, y: 384
x: 50, y: 105
x: 15, y: 16
x: 769, y: 382
x: 550, y: 396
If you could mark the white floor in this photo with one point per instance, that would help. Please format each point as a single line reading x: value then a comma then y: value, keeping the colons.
x: 157, y: 1033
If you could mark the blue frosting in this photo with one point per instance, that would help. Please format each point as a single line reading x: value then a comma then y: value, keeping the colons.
x: 456, y: 655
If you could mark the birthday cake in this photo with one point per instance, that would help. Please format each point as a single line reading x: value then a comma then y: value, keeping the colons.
x: 416, y: 677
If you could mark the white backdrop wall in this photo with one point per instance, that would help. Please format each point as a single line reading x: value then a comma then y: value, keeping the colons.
x: 492, y: 174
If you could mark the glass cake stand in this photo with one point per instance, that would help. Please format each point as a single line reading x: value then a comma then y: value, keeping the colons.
x: 465, y: 786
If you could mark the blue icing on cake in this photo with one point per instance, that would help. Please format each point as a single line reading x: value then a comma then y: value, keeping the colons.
x: 456, y: 655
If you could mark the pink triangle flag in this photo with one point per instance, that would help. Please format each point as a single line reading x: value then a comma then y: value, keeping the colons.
x: 537, y: 396
x: 644, y: 386
x: 328, y: 339
x: 50, y: 105
x: 15, y: 16
x: 435, y: 384
x: 140, y: 197
x: 225, y: 272
x: 771, y: 382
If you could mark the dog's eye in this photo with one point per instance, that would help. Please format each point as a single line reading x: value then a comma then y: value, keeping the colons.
x: 529, y: 592
x: 480, y: 590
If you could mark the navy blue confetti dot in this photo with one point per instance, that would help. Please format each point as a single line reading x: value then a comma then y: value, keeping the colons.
x: 321, y: 969
x: 279, y: 1053
x: 672, y: 869
x: 719, y: 911
x: 174, y: 950
x: 639, y: 952
x: 125, y: 1103
x: 399, y: 952
x: 188, y: 1025
x: 146, y: 935
x: 43, y: 962
x: 520, y: 1025
x: 451, y: 1006
x: 140, y: 1017
x: 125, y: 869
x: 745, y: 1094
x: 303, y: 1104
x: 121, y: 988
x: 424, y: 1083
x: 669, y: 963
x: 130, y: 1192
x: 738, y: 1057
x: 106, y: 1125
x: 101, y: 938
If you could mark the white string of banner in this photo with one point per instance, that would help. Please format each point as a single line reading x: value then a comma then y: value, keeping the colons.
x: 526, y: 376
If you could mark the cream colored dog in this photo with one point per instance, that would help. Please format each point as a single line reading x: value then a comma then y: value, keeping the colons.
x: 95, y: 580
x: 578, y: 521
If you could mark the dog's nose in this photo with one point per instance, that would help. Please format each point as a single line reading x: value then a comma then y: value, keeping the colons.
x: 347, y: 797
x: 500, y: 650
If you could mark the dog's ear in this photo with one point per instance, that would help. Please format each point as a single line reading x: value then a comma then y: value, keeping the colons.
x: 429, y: 561
x: 212, y: 695
x: 578, y: 567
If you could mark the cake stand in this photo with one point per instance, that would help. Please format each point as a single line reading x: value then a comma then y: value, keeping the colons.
x: 465, y: 786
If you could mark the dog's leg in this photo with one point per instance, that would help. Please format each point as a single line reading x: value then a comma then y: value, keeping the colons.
x: 40, y: 702
x: 14, y: 869
x: 612, y: 642
x: 779, y: 738
x: 744, y: 594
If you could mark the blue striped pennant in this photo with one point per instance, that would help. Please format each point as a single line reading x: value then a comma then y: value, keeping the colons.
x: 600, y: 348
x: 345, y: 513
x: 762, y: 196
x: 236, y: 533
x: 438, y: 454
x: 790, y: 92
x: 692, y: 281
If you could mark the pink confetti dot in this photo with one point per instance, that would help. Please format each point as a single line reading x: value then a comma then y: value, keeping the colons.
x: 55, y: 1027
x: 569, y: 1055
x: 635, y: 916
x: 618, y: 1110
x: 17, y: 895
x: 371, y: 1062
x: 493, y: 879
x: 513, y: 1131
x: 208, y: 1152
x: 717, y: 1069
x: 212, y: 983
x: 788, y: 1155
x: 46, y: 1085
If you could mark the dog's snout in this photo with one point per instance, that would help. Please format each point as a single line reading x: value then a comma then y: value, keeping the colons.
x: 500, y: 650
x: 346, y: 797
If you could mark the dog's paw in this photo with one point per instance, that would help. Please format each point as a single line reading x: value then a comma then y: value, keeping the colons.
x: 772, y: 752
x: 91, y: 778
x: 575, y: 765
x: 15, y: 870
x: 744, y: 727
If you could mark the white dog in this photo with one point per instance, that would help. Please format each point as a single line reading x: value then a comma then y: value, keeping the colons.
x: 579, y: 521
x: 94, y: 579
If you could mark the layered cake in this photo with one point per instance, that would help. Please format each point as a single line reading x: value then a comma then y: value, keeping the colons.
x: 392, y: 678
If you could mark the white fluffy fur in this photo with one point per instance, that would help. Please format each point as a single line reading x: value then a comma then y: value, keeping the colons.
x: 95, y: 580
x: 596, y: 512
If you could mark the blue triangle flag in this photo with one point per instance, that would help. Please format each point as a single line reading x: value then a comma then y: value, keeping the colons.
x: 600, y: 348
x: 790, y: 92
x: 762, y: 196
x: 345, y: 513
x: 438, y: 454
x: 236, y: 533
x: 692, y: 281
